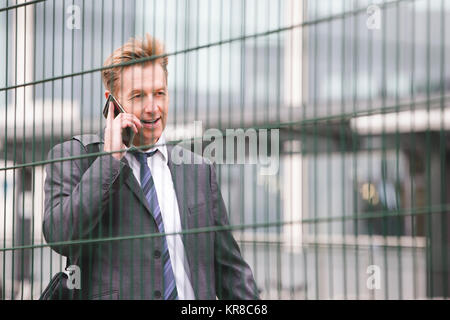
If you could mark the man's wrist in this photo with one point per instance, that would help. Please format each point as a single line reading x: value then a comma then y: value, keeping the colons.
x: 115, y: 155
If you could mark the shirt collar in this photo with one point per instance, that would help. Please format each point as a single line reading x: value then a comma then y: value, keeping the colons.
x: 160, y: 145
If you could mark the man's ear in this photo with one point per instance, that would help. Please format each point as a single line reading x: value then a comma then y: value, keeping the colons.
x: 107, y: 92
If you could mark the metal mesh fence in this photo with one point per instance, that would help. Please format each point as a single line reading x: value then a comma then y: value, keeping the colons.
x: 326, y: 120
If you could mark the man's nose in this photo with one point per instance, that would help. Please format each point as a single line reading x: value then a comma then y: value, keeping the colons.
x: 150, y: 105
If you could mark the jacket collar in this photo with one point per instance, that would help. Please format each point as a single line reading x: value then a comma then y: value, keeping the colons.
x: 177, y: 175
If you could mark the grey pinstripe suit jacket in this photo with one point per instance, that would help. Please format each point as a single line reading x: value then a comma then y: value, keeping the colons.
x: 101, y: 198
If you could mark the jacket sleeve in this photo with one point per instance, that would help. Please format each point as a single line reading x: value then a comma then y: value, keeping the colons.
x: 74, y: 200
x: 233, y: 276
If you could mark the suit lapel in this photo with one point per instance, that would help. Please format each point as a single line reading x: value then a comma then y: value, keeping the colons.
x: 132, y: 183
x: 179, y: 177
x: 130, y: 179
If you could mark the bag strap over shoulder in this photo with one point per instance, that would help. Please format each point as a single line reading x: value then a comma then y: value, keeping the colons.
x: 91, y: 144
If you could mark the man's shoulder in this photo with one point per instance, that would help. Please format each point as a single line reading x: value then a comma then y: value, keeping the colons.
x: 74, y: 146
x: 87, y: 139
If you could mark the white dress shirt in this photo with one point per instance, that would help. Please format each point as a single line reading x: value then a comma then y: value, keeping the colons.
x: 168, y: 204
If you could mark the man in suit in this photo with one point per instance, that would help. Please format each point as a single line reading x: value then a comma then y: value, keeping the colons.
x: 109, y: 211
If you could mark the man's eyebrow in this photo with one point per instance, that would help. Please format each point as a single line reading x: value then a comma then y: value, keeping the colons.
x: 163, y: 88
x: 132, y: 92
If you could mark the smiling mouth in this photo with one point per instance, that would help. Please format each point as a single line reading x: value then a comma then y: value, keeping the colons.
x: 150, y: 121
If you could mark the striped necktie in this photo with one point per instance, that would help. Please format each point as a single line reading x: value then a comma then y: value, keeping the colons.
x: 148, y: 187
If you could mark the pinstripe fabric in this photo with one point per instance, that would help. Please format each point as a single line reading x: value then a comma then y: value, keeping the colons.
x: 148, y: 187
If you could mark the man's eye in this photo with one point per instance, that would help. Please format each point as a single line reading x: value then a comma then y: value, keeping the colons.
x: 139, y: 95
x: 161, y: 93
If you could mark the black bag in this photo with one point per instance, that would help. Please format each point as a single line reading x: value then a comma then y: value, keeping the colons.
x: 57, y: 289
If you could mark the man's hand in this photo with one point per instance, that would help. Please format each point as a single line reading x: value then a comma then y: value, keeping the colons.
x: 113, y: 130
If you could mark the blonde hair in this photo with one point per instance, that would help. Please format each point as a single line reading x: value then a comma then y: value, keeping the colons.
x: 134, y: 48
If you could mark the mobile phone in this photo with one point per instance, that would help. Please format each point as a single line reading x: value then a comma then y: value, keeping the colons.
x: 127, y: 133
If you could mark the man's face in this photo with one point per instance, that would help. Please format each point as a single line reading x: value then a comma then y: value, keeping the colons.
x: 143, y: 92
